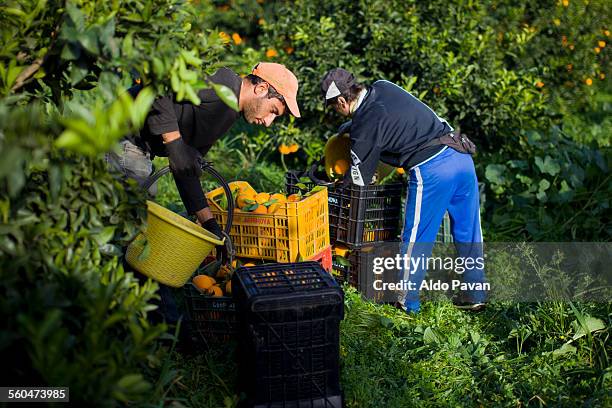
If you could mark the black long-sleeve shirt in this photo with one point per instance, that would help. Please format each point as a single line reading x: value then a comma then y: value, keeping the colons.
x: 200, y: 126
x: 390, y: 125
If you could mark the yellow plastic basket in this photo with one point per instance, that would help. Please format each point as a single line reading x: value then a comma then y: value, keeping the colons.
x: 297, y: 230
x: 177, y: 247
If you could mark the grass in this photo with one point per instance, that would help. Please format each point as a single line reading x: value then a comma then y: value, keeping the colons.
x: 510, y: 355
x: 504, y: 356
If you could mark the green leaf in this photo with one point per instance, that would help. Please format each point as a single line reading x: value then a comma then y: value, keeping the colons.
x: 226, y: 95
x: 544, y: 185
x: 495, y: 173
x: 146, y: 251
x: 430, y: 337
x: 89, y: 41
x: 141, y: 107
x: 70, y: 52
x: 548, y: 165
x: 342, y: 260
x: 566, y: 348
x: 105, y: 235
x: 590, y: 325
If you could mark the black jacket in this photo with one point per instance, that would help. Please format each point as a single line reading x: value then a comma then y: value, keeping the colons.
x: 200, y: 127
x: 390, y: 125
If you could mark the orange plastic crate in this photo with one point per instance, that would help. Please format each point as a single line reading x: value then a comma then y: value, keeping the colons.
x: 296, y: 231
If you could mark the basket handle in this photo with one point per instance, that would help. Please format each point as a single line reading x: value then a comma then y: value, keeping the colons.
x: 206, y: 166
x: 317, y: 181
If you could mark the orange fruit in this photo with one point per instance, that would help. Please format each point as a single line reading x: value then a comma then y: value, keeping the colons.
x: 273, y: 207
x: 539, y: 84
x: 271, y: 53
x: 223, y: 272
x: 294, y: 198
x: 588, y: 81
x: 228, y: 288
x: 341, y: 250
x: 341, y: 166
x: 247, y: 189
x: 237, y: 39
x: 216, y: 291
x: 293, y: 148
x: 203, y: 282
x: 261, y: 209
x: 224, y: 37
x: 279, y: 197
x: 261, y: 198
x: 284, y: 149
x: 245, y: 199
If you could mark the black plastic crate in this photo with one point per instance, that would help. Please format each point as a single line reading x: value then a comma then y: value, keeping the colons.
x: 295, y: 177
x: 289, y: 333
x: 362, y: 215
x: 359, y: 215
x: 360, y: 272
x: 211, y: 320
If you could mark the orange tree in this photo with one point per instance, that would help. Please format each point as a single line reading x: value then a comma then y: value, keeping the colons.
x: 499, y: 70
x: 71, y: 315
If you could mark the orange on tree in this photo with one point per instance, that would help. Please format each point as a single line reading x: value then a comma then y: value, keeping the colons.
x: 293, y: 148
x: 203, y: 282
x: 284, y: 149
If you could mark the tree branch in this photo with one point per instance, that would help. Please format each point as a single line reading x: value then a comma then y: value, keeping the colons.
x: 27, y: 73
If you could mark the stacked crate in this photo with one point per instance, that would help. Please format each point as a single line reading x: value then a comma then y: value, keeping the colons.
x: 289, y: 332
x: 365, y: 224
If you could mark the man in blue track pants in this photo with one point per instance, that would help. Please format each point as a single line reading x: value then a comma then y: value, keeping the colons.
x: 391, y: 125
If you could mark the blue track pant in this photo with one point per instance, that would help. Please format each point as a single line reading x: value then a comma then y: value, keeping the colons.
x: 446, y: 182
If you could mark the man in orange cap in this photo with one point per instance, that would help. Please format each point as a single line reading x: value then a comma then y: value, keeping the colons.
x: 184, y: 132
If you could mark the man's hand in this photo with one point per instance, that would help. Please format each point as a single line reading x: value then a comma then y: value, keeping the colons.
x: 184, y: 159
x: 345, y: 182
x: 212, y: 226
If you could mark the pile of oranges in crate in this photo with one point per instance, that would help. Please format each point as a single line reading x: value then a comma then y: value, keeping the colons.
x: 247, y: 199
x: 214, y: 279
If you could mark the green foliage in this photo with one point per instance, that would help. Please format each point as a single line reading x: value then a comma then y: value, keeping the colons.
x: 496, y: 70
x: 549, y: 187
x: 445, y: 357
x: 449, y: 58
x: 71, y: 314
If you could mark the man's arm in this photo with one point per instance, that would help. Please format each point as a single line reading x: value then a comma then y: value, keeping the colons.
x: 365, y: 152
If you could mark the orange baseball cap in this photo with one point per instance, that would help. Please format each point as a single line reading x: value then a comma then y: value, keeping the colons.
x: 283, y: 80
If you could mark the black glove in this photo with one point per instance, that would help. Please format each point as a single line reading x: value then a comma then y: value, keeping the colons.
x: 345, y: 127
x: 184, y: 159
x: 212, y: 226
x: 344, y: 182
